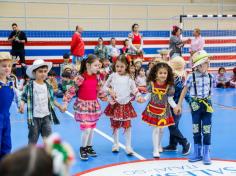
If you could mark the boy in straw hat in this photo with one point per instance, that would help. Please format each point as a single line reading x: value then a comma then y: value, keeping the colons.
x: 38, y: 94
x: 164, y: 54
x: 178, y: 66
x: 199, y: 85
x: 7, y: 96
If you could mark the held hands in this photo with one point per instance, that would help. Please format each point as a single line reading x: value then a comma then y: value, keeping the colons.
x: 177, y: 110
x: 63, y: 108
x: 140, y: 99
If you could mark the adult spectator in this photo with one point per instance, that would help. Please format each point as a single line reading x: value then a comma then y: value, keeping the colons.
x: 77, y: 45
x: 197, y: 43
x: 18, y: 39
x: 100, y: 49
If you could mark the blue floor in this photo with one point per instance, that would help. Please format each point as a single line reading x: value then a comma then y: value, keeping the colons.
x: 223, y: 138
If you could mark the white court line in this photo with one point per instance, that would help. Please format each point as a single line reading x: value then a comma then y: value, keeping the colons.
x: 110, y: 138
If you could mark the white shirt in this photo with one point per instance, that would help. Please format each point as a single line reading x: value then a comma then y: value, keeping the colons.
x: 123, y: 86
x: 40, y: 94
x: 141, y: 81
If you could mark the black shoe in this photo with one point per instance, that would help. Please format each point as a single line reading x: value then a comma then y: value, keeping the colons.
x: 90, y: 151
x: 186, y: 149
x: 170, y: 148
x: 83, y: 153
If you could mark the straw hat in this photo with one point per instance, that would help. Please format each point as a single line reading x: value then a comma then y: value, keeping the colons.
x: 199, y: 58
x: 69, y: 66
x: 163, y: 51
x: 36, y: 64
x: 178, y: 65
x: 137, y: 60
x: 5, y: 56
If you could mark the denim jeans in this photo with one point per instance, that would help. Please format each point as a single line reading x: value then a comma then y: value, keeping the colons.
x: 202, y: 121
x: 76, y: 58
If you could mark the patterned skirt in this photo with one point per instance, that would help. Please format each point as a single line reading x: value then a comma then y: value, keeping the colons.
x: 87, y: 112
x: 158, y: 116
x: 120, y: 112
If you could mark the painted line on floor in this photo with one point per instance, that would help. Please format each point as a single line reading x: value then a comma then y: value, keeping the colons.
x: 109, y: 138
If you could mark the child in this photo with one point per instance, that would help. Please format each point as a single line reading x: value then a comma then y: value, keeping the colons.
x: 7, y: 96
x: 221, y: 79
x: 158, y: 112
x: 87, y: 108
x: 132, y: 71
x: 106, y: 66
x: 150, y: 65
x: 199, y: 84
x: 23, y: 82
x: 53, y: 81
x: 164, y: 54
x: 141, y: 81
x: 178, y: 65
x: 38, y: 95
x: 120, y: 87
x: 126, y: 47
x: 138, y: 63
x: 66, y: 63
x: 53, y: 159
x: 66, y: 82
x: 233, y: 79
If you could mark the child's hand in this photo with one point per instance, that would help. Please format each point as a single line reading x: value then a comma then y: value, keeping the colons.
x: 112, y: 93
x: 176, y: 110
x: 21, y: 108
x: 63, y: 108
x: 140, y: 100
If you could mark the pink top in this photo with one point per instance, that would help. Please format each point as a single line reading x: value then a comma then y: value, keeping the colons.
x: 197, y: 44
x: 88, y: 90
x: 87, y: 86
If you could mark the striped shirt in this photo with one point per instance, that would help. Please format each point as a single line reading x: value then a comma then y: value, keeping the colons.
x: 202, y: 84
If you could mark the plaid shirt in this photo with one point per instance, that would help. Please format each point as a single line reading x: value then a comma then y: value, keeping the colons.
x: 202, y: 84
x: 28, y: 97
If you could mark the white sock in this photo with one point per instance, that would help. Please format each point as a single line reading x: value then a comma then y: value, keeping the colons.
x: 128, y: 137
x: 90, y: 138
x: 116, y: 137
x: 155, y: 139
x: 84, y: 137
x: 161, y: 131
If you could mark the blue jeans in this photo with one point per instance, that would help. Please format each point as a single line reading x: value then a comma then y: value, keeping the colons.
x: 202, y: 121
x: 76, y: 58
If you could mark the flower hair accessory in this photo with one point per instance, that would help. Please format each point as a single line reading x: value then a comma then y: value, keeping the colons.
x: 62, y: 154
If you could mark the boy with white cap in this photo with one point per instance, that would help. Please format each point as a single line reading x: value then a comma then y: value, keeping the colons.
x: 199, y: 85
x: 38, y: 94
x: 7, y: 96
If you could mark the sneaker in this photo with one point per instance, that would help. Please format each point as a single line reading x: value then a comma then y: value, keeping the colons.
x: 156, y: 155
x: 129, y: 151
x: 170, y: 148
x: 115, y: 148
x: 90, y: 151
x: 83, y: 153
x: 186, y: 149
